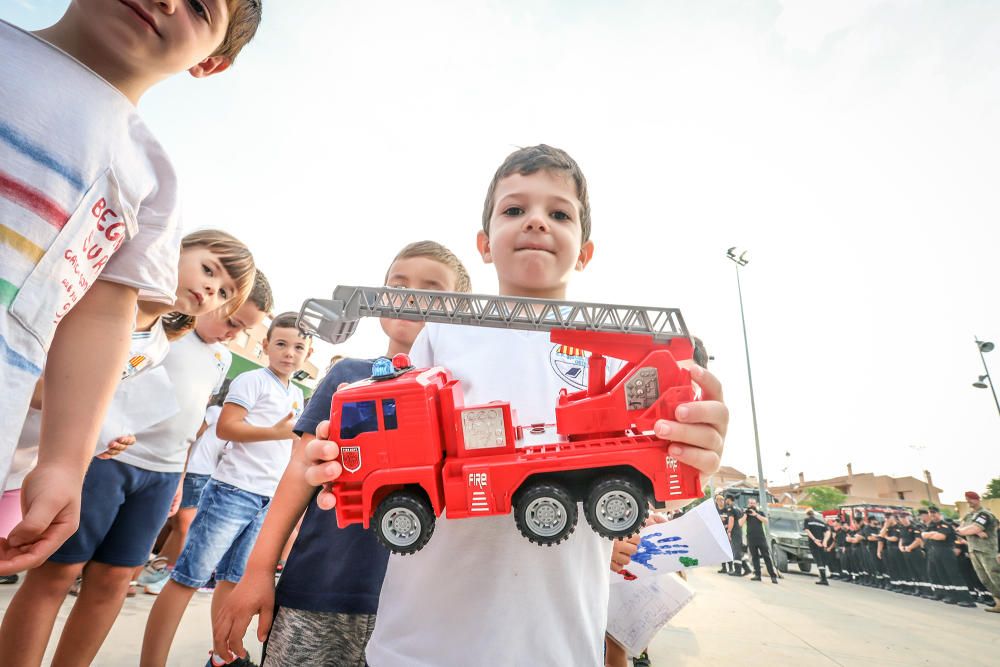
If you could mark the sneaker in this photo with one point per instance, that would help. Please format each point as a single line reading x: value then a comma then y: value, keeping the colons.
x: 756, y: 577
x: 209, y: 586
x: 152, y: 570
x: 133, y: 590
x: 75, y: 588
x: 823, y: 582
x: 9, y: 579
x: 642, y: 660
x: 966, y: 603
x: 774, y: 580
x: 238, y: 662
x: 155, y: 587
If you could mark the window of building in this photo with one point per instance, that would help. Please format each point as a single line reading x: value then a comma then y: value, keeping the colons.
x: 389, y: 413
x: 357, y: 418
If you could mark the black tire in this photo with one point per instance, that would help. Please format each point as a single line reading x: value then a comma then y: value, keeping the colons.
x: 616, y: 507
x: 779, y: 557
x: 545, y: 513
x: 404, y: 522
x: 805, y: 566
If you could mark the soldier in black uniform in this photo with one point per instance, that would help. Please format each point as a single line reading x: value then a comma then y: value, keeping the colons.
x: 818, y: 533
x: 942, y: 562
x: 727, y: 524
x: 912, y: 558
x: 891, y: 555
x: 740, y: 567
x: 755, y: 519
x: 835, y: 551
x: 855, y: 554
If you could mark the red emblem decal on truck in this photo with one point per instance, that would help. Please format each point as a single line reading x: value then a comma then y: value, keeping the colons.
x: 350, y: 458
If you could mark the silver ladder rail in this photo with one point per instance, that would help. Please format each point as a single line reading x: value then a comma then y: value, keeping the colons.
x: 335, y: 320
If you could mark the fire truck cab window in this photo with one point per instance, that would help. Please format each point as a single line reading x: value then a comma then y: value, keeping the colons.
x: 389, y: 413
x: 357, y: 418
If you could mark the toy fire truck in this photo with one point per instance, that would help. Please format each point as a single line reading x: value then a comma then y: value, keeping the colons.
x: 410, y: 448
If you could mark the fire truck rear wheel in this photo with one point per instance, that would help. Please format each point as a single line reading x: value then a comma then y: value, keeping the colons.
x: 616, y: 507
x: 545, y: 513
x: 404, y: 522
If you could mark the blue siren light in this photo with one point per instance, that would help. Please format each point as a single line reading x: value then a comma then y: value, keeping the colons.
x: 382, y: 368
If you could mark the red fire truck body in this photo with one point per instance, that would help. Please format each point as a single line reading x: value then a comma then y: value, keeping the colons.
x: 411, y: 448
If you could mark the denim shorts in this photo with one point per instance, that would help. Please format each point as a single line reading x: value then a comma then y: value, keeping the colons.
x: 122, y: 509
x: 193, y: 486
x: 221, y: 536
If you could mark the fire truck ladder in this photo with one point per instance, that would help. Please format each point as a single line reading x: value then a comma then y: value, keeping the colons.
x: 335, y: 320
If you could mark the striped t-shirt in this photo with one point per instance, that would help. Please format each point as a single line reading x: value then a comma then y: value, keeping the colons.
x: 85, y: 192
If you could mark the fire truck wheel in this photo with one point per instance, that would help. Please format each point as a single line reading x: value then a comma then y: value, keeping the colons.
x: 545, y: 513
x: 616, y: 507
x: 404, y: 522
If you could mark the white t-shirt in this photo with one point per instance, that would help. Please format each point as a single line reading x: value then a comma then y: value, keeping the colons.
x: 479, y: 591
x: 196, y: 371
x: 207, y: 451
x: 87, y: 193
x: 257, y: 466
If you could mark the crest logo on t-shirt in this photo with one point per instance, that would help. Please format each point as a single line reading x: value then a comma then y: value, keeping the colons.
x: 570, y: 364
x: 350, y: 458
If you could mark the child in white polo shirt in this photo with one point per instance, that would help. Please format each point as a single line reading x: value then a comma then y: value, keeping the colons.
x: 257, y: 418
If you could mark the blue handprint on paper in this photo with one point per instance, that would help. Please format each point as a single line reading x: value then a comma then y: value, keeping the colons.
x: 649, y: 546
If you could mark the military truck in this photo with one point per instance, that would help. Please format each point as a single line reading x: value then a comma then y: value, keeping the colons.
x: 789, y: 543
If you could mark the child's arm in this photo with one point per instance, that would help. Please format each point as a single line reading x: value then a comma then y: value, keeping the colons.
x: 85, y: 360
x: 232, y: 426
x: 254, y: 595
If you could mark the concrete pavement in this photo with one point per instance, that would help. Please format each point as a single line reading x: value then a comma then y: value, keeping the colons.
x: 731, y: 622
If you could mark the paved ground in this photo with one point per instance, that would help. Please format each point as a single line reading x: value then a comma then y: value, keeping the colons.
x: 731, y: 622
x: 735, y: 622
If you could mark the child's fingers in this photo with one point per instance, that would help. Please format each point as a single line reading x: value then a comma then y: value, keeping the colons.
x: 323, y: 430
x: 697, y: 435
x: 264, y: 623
x: 326, y: 500
x: 713, y: 413
x: 320, y: 451
x: 323, y: 473
x: 711, y: 388
x: 704, y: 460
x: 222, y: 625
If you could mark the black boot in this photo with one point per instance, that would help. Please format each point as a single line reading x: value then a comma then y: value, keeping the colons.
x: 746, y: 568
x: 722, y: 570
x: 755, y: 577
x: 822, y: 578
x: 774, y: 579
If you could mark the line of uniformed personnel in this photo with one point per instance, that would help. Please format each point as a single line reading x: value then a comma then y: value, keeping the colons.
x: 930, y: 556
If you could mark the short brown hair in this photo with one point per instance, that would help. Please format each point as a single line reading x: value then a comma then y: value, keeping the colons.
x: 526, y: 161
x: 244, y: 19
x: 437, y: 252
x: 289, y: 320
x: 260, y: 294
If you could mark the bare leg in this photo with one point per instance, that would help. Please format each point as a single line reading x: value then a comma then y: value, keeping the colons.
x: 161, y: 626
x: 101, y: 598
x: 27, y: 623
x: 178, y: 534
x: 614, y: 654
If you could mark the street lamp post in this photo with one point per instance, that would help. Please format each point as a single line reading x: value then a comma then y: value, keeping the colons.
x: 741, y: 260
x: 986, y: 346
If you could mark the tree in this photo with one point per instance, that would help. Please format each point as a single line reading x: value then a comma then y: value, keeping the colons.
x: 993, y: 488
x: 823, y: 498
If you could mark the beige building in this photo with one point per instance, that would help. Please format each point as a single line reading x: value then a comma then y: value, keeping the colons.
x: 868, y: 487
x: 727, y: 476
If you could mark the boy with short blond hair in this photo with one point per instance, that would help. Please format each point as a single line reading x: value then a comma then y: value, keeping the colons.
x: 325, y: 605
x: 479, y: 590
x: 88, y: 223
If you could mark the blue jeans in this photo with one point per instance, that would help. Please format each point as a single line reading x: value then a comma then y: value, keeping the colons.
x: 194, y: 484
x: 221, y: 536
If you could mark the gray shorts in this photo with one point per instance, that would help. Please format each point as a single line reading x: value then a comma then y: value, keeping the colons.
x: 323, y: 639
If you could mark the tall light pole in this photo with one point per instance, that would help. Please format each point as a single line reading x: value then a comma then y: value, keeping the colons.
x: 741, y: 260
x: 986, y: 346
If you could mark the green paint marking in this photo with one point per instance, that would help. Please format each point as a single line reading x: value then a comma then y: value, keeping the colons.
x: 7, y: 293
x: 688, y: 562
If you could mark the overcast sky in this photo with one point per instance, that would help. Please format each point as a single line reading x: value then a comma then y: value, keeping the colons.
x: 851, y: 146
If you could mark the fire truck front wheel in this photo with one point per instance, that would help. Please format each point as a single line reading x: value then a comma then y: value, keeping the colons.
x: 404, y: 522
x: 545, y: 513
x: 616, y: 507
